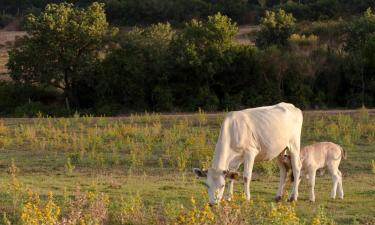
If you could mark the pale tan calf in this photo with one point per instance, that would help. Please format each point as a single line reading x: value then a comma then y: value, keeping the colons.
x: 318, y: 157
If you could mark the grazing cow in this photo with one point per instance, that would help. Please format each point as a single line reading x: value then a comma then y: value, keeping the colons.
x: 251, y: 135
x: 317, y: 157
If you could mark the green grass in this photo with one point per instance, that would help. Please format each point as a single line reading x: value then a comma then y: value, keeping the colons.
x: 40, y: 148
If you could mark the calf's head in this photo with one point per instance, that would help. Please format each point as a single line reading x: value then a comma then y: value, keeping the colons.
x: 215, y: 182
x: 287, y: 161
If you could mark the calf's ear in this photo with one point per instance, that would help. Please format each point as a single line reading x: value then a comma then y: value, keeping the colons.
x: 200, y: 173
x: 232, y: 175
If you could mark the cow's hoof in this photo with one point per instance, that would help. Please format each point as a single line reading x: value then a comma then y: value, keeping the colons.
x: 277, y: 198
x: 291, y: 199
x: 312, y: 201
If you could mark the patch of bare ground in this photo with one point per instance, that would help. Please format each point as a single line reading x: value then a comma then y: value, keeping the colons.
x: 7, y: 39
x: 246, y: 34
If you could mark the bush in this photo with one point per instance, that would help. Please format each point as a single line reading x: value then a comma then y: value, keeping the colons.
x: 276, y: 28
x: 303, y: 39
x: 314, y: 10
x: 19, y: 99
x: 35, y: 109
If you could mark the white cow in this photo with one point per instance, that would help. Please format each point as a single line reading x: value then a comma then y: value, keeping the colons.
x: 317, y: 157
x: 256, y: 134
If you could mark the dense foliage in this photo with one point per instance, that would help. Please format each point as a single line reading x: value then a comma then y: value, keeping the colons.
x: 62, y: 48
x: 276, y: 28
x: 130, y: 12
x: 157, y: 68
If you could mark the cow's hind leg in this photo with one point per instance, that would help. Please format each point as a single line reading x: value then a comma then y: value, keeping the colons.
x: 249, y: 158
x: 283, y: 175
x: 296, y: 167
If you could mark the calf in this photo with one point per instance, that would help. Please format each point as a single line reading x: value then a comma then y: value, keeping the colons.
x: 315, y: 158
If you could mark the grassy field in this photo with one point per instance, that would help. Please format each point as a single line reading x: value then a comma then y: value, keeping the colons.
x: 137, y: 170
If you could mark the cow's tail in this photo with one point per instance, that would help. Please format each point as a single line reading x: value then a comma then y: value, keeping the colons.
x: 343, y: 153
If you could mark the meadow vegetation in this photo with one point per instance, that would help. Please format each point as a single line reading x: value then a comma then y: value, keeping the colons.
x: 137, y: 170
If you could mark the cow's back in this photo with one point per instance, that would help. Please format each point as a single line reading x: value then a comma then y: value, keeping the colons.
x: 270, y: 129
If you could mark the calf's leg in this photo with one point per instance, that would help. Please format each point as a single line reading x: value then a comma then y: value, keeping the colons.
x: 283, y: 174
x: 311, y: 183
x: 335, y: 182
x: 230, y: 190
x: 340, y: 190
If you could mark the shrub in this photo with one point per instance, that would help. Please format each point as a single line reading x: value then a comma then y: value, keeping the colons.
x: 276, y: 28
x: 333, y: 131
x: 86, y: 208
x: 321, y: 218
x: 69, y: 167
x: 303, y: 39
x: 35, y: 213
x: 239, y: 211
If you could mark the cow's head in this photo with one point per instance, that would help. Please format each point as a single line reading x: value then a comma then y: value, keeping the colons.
x: 215, y: 182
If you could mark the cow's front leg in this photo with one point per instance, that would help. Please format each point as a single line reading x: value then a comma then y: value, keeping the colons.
x: 283, y: 174
x: 230, y: 190
x: 249, y: 158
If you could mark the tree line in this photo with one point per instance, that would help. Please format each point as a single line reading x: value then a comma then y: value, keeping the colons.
x: 73, y: 59
x: 176, y: 12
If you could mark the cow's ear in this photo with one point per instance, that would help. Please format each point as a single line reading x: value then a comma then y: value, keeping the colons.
x: 231, y: 175
x: 200, y: 173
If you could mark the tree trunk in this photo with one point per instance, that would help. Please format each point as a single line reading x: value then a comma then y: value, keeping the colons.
x: 72, y: 100
x: 69, y: 91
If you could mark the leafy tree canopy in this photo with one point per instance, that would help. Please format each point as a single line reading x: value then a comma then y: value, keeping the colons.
x: 62, y: 47
x: 276, y: 28
x: 359, y: 31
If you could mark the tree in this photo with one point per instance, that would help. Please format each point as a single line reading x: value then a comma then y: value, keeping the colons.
x: 137, y: 72
x: 198, y: 51
x: 368, y: 78
x: 359, y: 44
x: 276, y: 28
x: 63, y: 46
x: 359, y: 31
